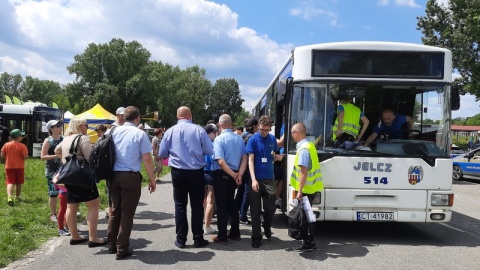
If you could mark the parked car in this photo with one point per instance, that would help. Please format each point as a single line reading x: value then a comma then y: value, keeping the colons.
x: 457, y: 151
x: 466, y: 165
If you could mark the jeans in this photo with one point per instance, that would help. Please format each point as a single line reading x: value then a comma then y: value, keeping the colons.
x: 224, y: 186
x: 188, y: 183
x: 266, y: 194
x: 241, y: 198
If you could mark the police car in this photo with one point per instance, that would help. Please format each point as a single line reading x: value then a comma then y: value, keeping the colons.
x: 466, y: 165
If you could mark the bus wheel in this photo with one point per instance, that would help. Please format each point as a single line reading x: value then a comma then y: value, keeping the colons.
x: 457, y: 173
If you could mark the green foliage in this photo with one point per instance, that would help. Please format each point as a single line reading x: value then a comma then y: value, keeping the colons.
x: 455, y: 27
x: 26, y: 226
x: 33, y: 89
x: 240, y: 118
x: 224, y: 97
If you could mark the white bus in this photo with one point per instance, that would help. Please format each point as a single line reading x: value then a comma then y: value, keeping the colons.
x: 31, y: 119
x: 407, y: 179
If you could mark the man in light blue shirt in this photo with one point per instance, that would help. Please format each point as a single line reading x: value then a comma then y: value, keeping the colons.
x: 132, y: 146
x: 231, y: 162
x: 185, y: 145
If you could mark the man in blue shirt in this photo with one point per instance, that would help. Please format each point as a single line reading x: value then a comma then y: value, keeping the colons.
x: 231, y: 161
x: 132, y: 146
x: 261, y: 149
x: 391, y: 125
x: 185, y: 145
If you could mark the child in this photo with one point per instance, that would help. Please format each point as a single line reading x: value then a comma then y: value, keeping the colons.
x: 14, y: 153
x: 62, y: 195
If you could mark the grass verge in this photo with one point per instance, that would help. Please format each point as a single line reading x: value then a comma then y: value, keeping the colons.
x: 26, y: 226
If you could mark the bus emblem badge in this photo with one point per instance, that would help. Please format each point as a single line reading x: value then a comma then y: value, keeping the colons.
x: 415, y: 174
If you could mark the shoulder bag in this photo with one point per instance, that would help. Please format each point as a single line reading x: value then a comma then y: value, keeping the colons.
x: 75, y: 172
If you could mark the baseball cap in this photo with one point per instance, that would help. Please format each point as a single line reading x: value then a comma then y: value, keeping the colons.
x: 52, y: 123
x: 210, y: 128
x: 15, y: 133
x: 120, y: 110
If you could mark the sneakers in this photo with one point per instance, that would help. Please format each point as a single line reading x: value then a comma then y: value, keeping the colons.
x: 10, y: 201
x: 278, y: 203
x: 209, y: 230
x: 200, y: 243
x: 63, y: 232
x: 267, y: 232
x: 53, y: 218
x: 304, y: 248
x: 245, y: 221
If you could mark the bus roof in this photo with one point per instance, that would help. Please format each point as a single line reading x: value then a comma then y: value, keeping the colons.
x: 372, y: 45
x: 20, y: 109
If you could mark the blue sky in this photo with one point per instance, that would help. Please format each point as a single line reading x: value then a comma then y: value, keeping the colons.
x: 243, y: 39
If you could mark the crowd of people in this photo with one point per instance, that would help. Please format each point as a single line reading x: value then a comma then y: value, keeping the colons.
x: 218, y: 168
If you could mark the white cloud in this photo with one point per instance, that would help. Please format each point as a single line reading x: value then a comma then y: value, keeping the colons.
x: 49, y: 33
x: 309, y: 10
x: 408, y: 3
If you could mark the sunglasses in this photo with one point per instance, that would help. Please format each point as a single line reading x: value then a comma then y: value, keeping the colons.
x: 58, y: 126
x: 85, y: 126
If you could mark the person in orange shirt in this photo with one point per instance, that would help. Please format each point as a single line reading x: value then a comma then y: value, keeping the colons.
x: 14, y: 153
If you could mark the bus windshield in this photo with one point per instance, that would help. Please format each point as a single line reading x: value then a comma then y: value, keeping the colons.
x: 316, y: 104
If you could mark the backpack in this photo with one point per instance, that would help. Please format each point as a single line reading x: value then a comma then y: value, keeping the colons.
x: 297, y: 223
x: 102, y: 157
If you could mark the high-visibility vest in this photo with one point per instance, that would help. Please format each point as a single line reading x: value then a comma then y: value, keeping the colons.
x: 314, y: 175
x: 351, y: 121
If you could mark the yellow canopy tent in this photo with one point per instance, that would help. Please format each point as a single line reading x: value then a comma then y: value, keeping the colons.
x: 95, y: 116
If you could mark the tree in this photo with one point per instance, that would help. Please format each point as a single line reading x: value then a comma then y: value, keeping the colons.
x: 473, y: 121
x: 104, y: 73
x: 455, y: 26
x: 224, y: 97
x: 10, y: 85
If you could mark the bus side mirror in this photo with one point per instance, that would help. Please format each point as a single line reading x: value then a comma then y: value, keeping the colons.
x: 455, y: 98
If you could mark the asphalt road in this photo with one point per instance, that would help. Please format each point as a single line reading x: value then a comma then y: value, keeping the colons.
x: 341, y: 245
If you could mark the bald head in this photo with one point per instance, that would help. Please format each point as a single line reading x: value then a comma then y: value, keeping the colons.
x: 299, y: 132
x: 184, y: 113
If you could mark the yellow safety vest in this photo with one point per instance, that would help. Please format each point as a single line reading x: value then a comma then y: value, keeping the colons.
x: 351, y: 120
x: 314, y: 175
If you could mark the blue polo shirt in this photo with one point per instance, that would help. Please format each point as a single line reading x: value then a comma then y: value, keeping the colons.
x: 262, y: 148
x: 130, y: 145
x: 394, y: 130
x: 228, y: 146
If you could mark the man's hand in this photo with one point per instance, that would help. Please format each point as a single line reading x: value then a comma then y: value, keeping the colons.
x: 152, y: 186
x: 299, y: 195
x: 255, y: 186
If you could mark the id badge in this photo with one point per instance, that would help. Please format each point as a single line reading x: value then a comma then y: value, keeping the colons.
x: 264, y: 160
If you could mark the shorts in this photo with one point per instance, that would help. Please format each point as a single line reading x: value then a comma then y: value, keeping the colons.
x: 208, y: 176
x: 52, y: 188
x: 15, y: 176
x: 278, y: 172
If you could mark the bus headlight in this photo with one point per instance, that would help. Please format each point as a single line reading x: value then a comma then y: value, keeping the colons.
x: 318, y: 198
x: 442, y: 199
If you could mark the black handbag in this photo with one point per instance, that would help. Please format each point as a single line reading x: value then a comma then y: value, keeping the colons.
x: 75, y: 172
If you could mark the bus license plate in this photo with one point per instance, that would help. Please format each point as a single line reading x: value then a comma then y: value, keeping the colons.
x: 380, y: 216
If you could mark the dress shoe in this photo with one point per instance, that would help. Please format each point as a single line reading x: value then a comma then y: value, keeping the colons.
x: 76, y: 242
x: 124, y: 255
x: 234, y: 237
x: 256, y: 243
x: 217, y: 240
x: 200, y: 243
x: 112, y: 248
x: 95, y: 244
x: 179, y: 244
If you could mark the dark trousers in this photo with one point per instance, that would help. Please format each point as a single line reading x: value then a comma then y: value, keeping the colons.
x: 188, y: 183
x: 266, y: 194
x: 310, y: 237
x: 125, y: 191
x: 224, y: 187
x: 241, y: 198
